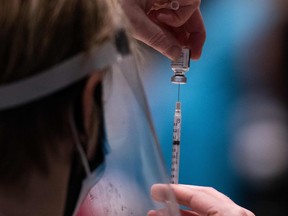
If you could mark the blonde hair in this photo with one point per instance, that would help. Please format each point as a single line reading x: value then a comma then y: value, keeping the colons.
x: 35, y: 35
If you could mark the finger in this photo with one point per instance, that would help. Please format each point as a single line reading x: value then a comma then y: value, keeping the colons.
x: 238, y: 210
x: 192, y: 34
x: 152, y: 213
x: 208, y: 190
x: 202, y: 200
x: 193, y: 197
x: 161, y: 192
x: 197, y: 34
x: 145, y: 30
x: 208, y: 201
x: 248, y: 212
x: 161, y: 212
x: 198, y: 200
x: 179, y: 17
x: 188, y: 213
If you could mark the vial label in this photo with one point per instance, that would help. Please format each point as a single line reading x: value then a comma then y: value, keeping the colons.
x: 183, y: 62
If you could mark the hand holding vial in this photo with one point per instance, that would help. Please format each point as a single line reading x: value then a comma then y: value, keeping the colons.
x: 167, y: 25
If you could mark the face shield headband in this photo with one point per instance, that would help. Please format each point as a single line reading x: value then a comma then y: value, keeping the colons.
x: 134, y: 162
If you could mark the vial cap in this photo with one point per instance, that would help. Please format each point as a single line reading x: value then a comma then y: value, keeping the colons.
x: 179, y: 79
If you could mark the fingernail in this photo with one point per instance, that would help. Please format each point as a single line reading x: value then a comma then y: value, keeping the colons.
x: 155, y: 213
x: 159, y: 213
x: 160, y: 192
x: 196, y: 55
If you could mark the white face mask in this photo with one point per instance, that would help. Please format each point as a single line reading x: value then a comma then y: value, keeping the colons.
x: 134, y: 161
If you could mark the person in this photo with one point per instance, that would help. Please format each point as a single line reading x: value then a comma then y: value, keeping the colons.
x: 55, y: 102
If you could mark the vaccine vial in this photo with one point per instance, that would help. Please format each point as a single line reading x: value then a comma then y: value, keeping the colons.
x: 180, y: 67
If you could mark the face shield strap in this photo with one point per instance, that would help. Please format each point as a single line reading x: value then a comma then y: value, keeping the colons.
x: 86, y: 163
x: 79, y: 170
x: 62, y: 75
x: 79, y: 147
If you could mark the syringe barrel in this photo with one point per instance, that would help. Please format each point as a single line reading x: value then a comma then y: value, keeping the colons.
x: 175, y: 163
x: 176, y: 145
x: 177, y: 123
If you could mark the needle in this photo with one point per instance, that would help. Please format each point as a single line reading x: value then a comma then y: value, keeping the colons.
x: 178, y: 92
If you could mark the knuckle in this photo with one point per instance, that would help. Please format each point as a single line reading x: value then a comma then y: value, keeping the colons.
x: 243, y: 212
x: 210, y: 189
x: 161, y: 42
x: 157, y: 39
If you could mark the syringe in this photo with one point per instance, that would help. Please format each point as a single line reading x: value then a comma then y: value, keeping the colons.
x: 176, y: 144
x: 180, y: 67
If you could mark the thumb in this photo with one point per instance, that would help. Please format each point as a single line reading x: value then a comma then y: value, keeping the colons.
x: 149, y: 32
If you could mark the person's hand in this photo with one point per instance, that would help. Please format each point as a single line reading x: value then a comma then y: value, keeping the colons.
x: 202, y: 201
x: 167, y: 30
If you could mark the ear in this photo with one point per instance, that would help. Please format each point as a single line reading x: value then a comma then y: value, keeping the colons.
x: 88, y: 97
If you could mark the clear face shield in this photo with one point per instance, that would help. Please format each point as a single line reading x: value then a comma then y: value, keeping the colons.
x: 121, y: 185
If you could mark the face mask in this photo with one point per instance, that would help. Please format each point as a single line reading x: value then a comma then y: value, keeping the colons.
x: 133, y: 162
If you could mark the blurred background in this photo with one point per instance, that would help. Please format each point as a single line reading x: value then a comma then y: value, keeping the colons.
x: 234, y: 105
